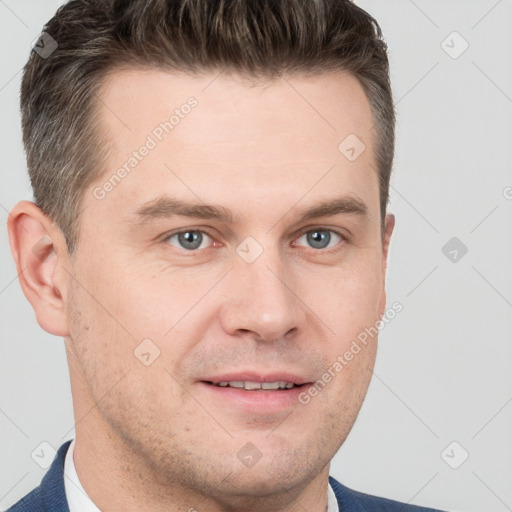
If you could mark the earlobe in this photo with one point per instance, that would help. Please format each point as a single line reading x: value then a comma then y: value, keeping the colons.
x: 39, y: 249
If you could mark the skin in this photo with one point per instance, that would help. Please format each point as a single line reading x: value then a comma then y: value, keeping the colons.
x: 156, y: 437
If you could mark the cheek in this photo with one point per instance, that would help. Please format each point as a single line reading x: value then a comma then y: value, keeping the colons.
x: 127, y: 374
x: 346, y: 297
x: 152, y: 298
x: 347, y: 300
x: 122, y: 300
x: 124, y: 316
x: 102, y: 315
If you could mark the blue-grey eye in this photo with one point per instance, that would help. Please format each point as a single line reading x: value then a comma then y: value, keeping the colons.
x: 320, y: 238
x: 189, y: 240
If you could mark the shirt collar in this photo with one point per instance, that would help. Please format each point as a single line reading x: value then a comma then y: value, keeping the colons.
x: 78, y: 499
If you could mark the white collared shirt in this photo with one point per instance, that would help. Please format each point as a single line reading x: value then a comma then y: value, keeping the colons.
x: 79, y: 501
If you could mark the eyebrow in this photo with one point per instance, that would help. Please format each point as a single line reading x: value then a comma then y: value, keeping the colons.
x: 167, y: 206
x: 348, y: 205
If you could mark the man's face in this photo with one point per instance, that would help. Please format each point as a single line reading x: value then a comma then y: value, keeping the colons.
x: 258, y: 297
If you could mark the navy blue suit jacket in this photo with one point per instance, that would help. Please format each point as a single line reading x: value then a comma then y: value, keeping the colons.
x: 50, y: 496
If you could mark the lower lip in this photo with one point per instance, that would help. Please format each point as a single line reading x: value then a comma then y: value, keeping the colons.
x: 258, y: 401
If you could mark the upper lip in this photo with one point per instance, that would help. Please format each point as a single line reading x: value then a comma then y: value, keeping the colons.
x: 274, y: 376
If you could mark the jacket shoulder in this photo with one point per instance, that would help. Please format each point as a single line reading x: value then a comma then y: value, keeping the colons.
x: 29, y: 503
x: 356, y: 501
x: 50, y: 495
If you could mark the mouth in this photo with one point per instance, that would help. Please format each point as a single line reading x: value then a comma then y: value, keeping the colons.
x: 247, y: 385
x: 256, y: 394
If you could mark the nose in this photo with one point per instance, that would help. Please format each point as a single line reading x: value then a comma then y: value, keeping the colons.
x: 262, y: 301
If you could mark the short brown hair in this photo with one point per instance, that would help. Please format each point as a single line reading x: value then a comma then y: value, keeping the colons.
x: 256, y: 38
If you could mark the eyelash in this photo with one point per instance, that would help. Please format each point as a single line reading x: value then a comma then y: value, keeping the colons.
x: 195, y: 252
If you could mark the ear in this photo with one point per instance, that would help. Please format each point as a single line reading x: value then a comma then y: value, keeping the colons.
x: 388, y: 231
x: 390, y: 226
x: 40, y: 252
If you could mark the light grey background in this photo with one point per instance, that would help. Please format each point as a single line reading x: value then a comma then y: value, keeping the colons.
x: 444, y: 368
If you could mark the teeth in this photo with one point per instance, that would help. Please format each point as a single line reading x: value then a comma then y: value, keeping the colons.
x: 251, y: 386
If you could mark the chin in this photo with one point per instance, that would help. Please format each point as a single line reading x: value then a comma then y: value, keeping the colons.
x: 243, y: 487
x: 281, y: 471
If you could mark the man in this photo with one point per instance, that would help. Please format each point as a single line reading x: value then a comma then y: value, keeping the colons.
x: 210, y: 237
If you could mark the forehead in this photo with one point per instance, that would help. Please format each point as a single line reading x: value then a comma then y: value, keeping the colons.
x: 328, y: 103
x: 215, y: 135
